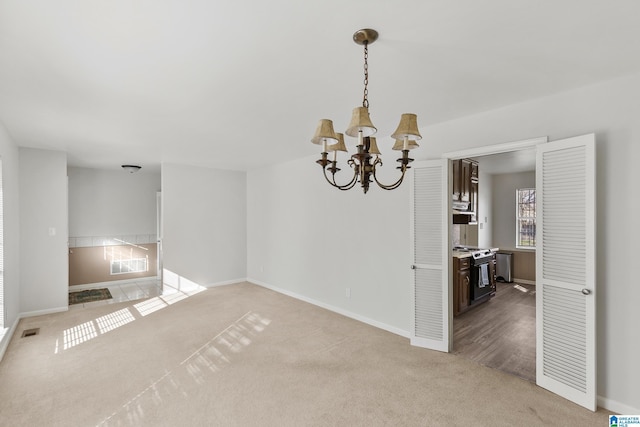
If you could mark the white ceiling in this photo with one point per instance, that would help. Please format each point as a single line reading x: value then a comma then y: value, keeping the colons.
x: 241, y: 84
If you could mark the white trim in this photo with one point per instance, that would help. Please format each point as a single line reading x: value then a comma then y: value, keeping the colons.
x: 6, y: 337
x: 329, y: 307
x: 614, y: 406
x: 524, y: 281
x: 226, y: 282
x: 42, y: 312
x: 497, y: 148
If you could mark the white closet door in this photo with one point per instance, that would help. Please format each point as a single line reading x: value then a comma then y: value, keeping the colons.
x: 565, y: 269
x: 430, y: 288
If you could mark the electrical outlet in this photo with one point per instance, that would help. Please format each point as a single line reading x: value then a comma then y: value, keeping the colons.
x: 347, y: 292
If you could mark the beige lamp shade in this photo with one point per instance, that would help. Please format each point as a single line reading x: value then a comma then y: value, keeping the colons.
x: 340, y: 145
x: 373, y: 146
x: 360, y: 121
x: 324, y: 132
x: 400, y: 144
x: 408, y: 127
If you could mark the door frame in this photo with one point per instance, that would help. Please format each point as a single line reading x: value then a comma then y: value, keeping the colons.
x: 475, y: 152
x: 510, y: 147
x: 496, y: 148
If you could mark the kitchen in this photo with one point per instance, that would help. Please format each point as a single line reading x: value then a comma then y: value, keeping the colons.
x: 493, y: 260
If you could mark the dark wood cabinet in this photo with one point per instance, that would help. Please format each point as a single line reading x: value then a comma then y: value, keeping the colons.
x: 465, y: 180
x: 474, y: 171
x: 473, y: 202
x: 455, y: 170
x: 465, y: 190
x: 461, y: 283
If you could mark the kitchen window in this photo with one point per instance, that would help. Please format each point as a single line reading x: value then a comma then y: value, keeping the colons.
x: 526, y: 218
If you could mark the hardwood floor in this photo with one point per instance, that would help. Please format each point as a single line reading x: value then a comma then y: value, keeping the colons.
x: 501, y: 333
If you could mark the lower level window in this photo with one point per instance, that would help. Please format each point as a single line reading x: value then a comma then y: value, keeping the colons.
x: 526, y: 218
x: 122, y: 266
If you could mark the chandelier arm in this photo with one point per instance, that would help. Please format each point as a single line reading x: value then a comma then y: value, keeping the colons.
x: 392, y: 186
x: 403, y: 168
x: 333, y: 182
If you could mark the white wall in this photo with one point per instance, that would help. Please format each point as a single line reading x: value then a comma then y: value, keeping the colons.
x: 504, y: 206
x: 307, y: 238
x: 10, y: 167
x: 204, y: 223
x: 486, y: 214
x: 43, y: 231
x: 112, y: 203
x: 610, y: 110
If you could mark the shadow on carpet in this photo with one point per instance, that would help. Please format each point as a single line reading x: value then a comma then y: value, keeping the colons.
x: 89, y: 295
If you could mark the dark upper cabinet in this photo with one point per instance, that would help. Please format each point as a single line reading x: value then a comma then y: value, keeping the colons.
x: 474, y: 171
x: 465, y: 180
x: 455, y: 167
x: 465, y: 190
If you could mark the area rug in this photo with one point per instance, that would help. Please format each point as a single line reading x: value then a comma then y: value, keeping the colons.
x: 89, y: 295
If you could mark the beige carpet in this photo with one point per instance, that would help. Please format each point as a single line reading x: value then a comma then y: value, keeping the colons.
x: 241, y: 355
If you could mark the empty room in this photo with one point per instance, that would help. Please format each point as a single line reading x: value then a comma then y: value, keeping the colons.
x: 319, y: 213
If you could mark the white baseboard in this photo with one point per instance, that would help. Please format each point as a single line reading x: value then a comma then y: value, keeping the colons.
x: 338, y: 310
x: 82, y: 287
x: 226, y: 282
x: 43, y: 312
x: 617, y: 407
x: 7, y: 334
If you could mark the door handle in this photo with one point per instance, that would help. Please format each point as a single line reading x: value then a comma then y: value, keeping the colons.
x: 586, y: 291
x: 413, y: 267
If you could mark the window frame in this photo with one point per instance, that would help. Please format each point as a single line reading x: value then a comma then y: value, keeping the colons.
x: 520, y: 218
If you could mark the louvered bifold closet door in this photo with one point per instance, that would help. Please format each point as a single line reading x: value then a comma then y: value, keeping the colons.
x: 429, y: 207
x: 565, y: 269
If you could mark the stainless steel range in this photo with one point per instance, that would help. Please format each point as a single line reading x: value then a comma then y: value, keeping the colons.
x: 482, y: 286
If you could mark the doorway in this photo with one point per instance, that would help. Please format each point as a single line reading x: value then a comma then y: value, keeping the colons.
x: 500, y: 331
x: 565, y: 297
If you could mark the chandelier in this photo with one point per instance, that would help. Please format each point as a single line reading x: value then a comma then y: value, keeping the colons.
x: 366, y: 160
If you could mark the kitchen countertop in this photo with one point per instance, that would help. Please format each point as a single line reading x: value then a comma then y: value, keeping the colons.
x: 465, y: 254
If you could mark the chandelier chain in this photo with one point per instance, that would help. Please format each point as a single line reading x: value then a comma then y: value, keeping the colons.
x: 365, y: 99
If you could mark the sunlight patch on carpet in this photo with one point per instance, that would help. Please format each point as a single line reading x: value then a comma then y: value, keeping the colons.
x: 157, y: 303
x: 79, y: 334
x: 82, y: 333
x: 114, y: 320
x: 210, y: 358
